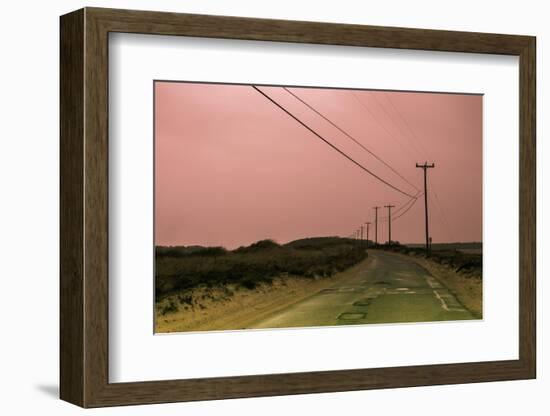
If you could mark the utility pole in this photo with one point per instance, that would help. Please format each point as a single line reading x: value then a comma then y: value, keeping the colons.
x: 425, y: 168
x: 376, y: 225
x: 367, y: 224
x: 389, y: 221
x: 361, y: 235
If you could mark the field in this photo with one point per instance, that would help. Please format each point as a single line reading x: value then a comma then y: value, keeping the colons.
x: 463, y: 258
x: 180, y: 269
x: 467, y: 247
x: 272, y: 285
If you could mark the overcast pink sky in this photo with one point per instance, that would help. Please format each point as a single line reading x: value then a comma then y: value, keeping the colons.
x: 231, y: 168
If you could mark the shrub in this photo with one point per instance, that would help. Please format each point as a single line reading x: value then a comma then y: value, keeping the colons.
x: 177, y: 269
x: 249, y: 284
x: 258, y: 246
x: 169, y: 308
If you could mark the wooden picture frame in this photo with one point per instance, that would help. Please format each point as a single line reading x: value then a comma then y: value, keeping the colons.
x: 84, y: 207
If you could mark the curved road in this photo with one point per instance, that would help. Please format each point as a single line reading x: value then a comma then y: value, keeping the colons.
x: 385, y: 288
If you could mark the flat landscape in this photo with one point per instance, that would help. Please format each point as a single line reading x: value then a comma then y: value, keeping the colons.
x: 372, y: 286
x: 473, y: 247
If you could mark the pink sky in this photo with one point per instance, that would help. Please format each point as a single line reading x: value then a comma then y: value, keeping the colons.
x: 231, y: 168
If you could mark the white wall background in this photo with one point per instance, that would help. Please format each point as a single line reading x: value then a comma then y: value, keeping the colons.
x: 29, y: 205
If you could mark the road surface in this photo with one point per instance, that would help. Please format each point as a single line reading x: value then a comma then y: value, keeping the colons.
x: 385, y: 288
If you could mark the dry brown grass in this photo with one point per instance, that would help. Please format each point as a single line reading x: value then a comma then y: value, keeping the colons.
x: 467, y: 288
x: 232, y: 307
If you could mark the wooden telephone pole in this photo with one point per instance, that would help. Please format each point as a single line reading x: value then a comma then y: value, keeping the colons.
x: 367, y: 224
x: 389, y: 221
x: 425, y: 168
x: 376, y: 225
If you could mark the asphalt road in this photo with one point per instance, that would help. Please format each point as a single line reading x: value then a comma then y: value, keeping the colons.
x: 385, y: 288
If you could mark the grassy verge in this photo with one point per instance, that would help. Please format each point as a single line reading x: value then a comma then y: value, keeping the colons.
x: 460, y: 272
x: 182, y: 269
x: 465, y: 263
x: 231, y: 306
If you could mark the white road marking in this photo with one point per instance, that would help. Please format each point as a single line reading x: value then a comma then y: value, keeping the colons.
x: 444, y: 304
x: 434, y: 284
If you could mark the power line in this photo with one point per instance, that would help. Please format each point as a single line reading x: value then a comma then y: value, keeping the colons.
x: 349, y: 136
x: 408, y: 209
x: 440, y: 211
x: 418, y: 195
x: 396, y: 124
x: 388, y: 98
x: 331, y: 145
x: 405, y: 205
x: 380, y: 123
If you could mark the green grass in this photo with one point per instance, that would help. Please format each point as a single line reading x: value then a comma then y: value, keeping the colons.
x: 181, y: 268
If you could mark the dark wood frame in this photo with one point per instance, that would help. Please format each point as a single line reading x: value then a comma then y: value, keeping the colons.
x: 84, y: 207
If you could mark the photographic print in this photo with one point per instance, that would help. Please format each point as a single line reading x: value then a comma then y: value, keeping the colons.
x: 289, y: 206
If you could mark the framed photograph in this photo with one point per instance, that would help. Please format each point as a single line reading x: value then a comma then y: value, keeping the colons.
x: 255, y: 207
